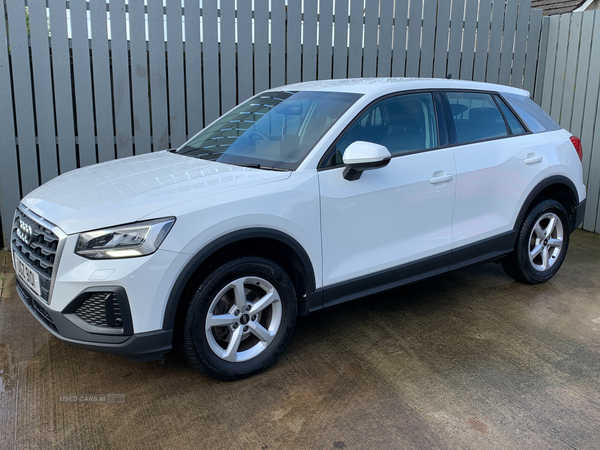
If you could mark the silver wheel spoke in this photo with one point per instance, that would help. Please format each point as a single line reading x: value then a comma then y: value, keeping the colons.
x: 545, y: 258
x: 239, y: 293
x: 536, y: 251
x: 263, y: 302
x: 555, y: 243
x: 234, y: 344
x: 538, y: 231
x: 550, y: 228
x: 220, y: 320
x: 261, y: 332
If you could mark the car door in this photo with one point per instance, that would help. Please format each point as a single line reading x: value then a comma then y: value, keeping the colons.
x: 496, y: 160
x: 373, y: 228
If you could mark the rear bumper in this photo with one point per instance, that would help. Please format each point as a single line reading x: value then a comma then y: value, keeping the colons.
x: 147, y: 346
x: 579, y: 214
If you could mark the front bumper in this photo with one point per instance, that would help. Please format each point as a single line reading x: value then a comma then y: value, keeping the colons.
x: 146, y: 346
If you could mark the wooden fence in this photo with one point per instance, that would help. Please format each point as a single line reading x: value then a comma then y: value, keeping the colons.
x: 568, y: 87
x: 68, y: 100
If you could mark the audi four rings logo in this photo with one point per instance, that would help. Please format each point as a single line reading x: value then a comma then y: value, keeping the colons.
x: 24, y: 231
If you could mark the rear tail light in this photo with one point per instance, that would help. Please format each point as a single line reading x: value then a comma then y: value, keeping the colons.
x: 577, y: 144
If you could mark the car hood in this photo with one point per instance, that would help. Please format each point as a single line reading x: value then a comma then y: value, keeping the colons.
x: 125, y: 190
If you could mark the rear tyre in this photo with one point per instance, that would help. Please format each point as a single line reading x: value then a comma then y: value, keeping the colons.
x: 541, y: 245
x: 240, y: 319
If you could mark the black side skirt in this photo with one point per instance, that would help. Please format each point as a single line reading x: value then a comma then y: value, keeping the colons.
x: 480, y: 252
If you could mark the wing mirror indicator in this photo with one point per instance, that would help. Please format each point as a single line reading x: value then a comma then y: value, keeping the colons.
x: 361, y: 156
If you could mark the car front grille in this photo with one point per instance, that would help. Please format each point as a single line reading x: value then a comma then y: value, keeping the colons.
x: 38, y: 247
x: 101, y: 309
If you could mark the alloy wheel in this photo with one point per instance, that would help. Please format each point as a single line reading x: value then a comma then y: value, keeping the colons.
x: 546, y: 241
x: 243, y: 319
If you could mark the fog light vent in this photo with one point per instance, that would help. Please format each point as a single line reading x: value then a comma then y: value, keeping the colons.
x: 101, y: 309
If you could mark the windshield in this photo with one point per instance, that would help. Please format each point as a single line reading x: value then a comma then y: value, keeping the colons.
x: 274, y: 130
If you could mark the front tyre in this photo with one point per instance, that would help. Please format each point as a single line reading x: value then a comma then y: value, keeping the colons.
x: 240, y: 319
x: 541, y: 244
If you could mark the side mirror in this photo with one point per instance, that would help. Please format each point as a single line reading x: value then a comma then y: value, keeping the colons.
x: 361, y: 156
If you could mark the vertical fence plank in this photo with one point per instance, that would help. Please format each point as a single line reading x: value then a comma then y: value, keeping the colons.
x: 559, y: 71
x: 592, y: 210
x: 63, y: 91
x: 293, y: 41
x: 583, y: 65
x: 44, y: 101
x: 325, y: 58
x: 19, y: 55
x: 228, y: 55
x: 508, y: 41
x: 597, y: 228
x: 369, y: 68
x: 9, y: 170
x: 277, y: 44
x: 245, y: 69
x: 589, y: 114
x: 210, y: 61
x: 101, y: 79
x: 139, y: 77
x: 441, y: 39
x: 468, y: 52
x: 400, y: 31
x: 521, y: 38
x: 413, y: 55
x: 428, y: 38
x: 355, y: 44
x: 176, y: 94
x: 340, y: 44
x: 483, y: 34
x: 493, y: 65
x: 537, y: 44
x: 550, y: 62
x: 386, y: 17
x: 82, y: 77
x: 261, y: 45
x: 571, y: 71
x: 309, y: 41
x: 456, y: 35
x: 120, y: 74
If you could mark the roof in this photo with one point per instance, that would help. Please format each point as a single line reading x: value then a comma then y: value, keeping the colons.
x: 385, y: 85
x: 552, y: 7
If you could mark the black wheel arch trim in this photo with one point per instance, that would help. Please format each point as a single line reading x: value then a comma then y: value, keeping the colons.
x: 553, y: 179
x: 199, y: 258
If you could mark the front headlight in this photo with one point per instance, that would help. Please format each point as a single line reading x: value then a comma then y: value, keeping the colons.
x: 127, y: 241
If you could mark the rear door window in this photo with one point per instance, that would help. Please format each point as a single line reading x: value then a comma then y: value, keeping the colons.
x: 476, y: 117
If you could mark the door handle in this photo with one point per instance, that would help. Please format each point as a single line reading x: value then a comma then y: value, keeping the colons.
x: 532, y: 158
x: 440, y: 179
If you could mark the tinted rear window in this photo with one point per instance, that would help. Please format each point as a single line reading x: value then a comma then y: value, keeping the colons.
x: 535, y: 117
x: 476, y: 117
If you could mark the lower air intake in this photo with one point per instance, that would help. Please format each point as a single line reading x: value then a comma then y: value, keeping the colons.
x: 101, y: 309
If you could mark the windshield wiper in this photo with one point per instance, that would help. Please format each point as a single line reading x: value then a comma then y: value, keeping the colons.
x: 259, y: 166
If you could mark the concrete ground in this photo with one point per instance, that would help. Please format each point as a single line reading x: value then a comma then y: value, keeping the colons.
x: 471, y: 359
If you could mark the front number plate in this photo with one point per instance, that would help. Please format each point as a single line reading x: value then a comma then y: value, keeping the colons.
x: 27, y: 275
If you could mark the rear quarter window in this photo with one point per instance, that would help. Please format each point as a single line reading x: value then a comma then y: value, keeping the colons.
x: 536, y: 118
